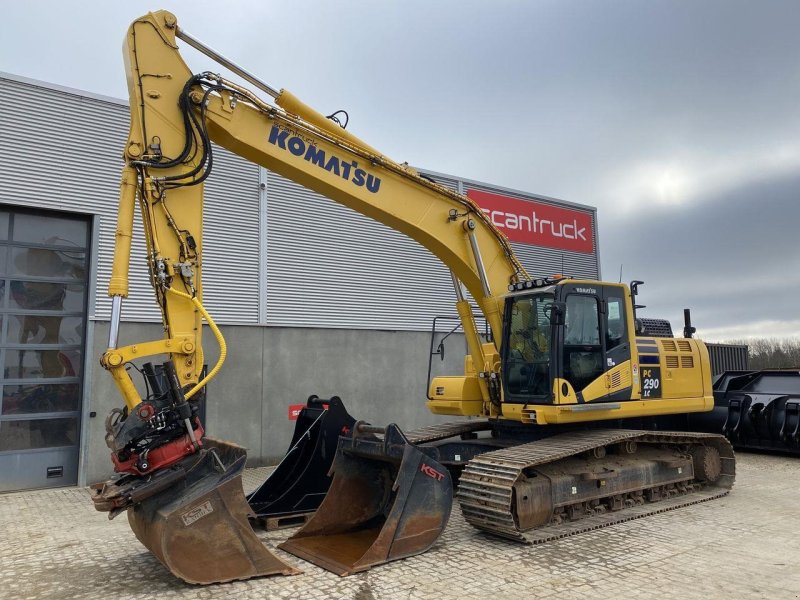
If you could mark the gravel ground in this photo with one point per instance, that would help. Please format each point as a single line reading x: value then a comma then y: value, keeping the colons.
x: 53, y: 544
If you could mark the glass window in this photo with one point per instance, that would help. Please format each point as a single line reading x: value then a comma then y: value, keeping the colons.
x: 38, y: 433
x: 527, y: 362
x: 4, y: 225
x: 582, y: 324
x: 43, y: 295
x: 31, y: 329
x: 36, y: 364
x: 39, y: 262
x: 3, y: 258
x: 615, y: 330
x: 40, y: 398
x: 52, y: 231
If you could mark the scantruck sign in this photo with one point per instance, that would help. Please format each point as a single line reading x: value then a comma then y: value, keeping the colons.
x: 537, y: 224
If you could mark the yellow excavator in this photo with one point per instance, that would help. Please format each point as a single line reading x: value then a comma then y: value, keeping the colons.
x: 564, y: 394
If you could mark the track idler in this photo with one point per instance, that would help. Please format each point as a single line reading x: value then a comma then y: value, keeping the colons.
x: 194, y: 517
x: 387, y: 501
x: 297, y: 486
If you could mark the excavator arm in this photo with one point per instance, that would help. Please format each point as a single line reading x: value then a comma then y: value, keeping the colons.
x: 175, y: 116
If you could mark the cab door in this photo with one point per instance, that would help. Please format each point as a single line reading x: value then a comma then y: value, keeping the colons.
x: 616, y: 344
x: 596, y: 349
x: 614, y: 324
x: 583, y: 356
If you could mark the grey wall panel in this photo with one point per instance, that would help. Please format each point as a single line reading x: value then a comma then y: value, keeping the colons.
x: 329, y: 266
x: 61, y: 150
x: 380, y: 376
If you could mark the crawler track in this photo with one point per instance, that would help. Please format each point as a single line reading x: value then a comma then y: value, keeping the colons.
x: 487, y: 492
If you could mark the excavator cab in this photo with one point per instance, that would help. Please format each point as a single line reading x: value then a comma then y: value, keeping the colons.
x: 562, y: 337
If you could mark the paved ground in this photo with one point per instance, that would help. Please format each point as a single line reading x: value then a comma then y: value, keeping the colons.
x: 747, y: 545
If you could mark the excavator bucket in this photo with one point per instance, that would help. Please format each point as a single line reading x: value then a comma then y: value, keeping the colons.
x: 197, y: 525
x: 297, y: 486
x: 387, y: 501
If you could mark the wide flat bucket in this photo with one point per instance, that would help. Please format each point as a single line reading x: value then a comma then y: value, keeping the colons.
x: 299, y: 483
x: 199, y: 528
x: 387, y: 501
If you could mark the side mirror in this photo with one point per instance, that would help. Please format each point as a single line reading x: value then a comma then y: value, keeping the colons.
x: 639, y: 324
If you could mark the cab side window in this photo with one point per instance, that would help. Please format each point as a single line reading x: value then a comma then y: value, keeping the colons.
x: 615, y: 325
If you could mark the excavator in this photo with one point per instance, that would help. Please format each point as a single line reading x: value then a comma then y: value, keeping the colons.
x: 537, y: 442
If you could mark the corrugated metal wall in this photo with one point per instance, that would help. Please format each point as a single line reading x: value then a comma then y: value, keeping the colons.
x: 329, y: 266
x: 727, y: 357
x: 332, y: 267
x: 326, y: 265
x: 62, y: 150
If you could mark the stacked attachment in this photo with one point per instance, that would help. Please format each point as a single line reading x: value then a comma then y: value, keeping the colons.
x: 297, y: 486
x: 387, y: 501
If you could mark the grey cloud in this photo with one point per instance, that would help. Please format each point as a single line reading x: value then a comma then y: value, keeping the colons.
x: 733, y: 258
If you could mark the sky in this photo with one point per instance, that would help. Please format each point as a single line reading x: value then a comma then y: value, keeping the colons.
x: 678, y: 120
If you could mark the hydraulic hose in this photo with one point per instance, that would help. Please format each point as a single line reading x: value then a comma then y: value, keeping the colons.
x: 223, y: 347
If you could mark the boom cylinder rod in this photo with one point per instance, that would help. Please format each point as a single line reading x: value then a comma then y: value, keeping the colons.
x: 473, y: 241
x: 216, y: 56
x: 116, y: 311
x: 458, y: 288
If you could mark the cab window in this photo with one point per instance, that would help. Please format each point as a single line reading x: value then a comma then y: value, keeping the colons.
x: 527, y: 351
x: 615, y: 327
x: 583, y: 352
x: 582, y: 322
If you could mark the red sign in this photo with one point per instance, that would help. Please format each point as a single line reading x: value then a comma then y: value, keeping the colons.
x: 536, y: 223
x: 294, y: 411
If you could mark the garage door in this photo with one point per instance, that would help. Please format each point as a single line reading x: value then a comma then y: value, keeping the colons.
x: 43, y: 287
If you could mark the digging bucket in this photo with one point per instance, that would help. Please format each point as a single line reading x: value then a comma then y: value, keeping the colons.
x: 299, y: 483
x: 199, y: 528
x: 387, y: 501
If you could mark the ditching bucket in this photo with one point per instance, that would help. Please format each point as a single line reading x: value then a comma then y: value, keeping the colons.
x: 387, y: 501
x: 297, y: 486
x: 198, y: 527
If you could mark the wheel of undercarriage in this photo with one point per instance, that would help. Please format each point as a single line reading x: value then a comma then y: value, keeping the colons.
x: 626, y: 447
x: 599, y: 452
x: 707, y: 463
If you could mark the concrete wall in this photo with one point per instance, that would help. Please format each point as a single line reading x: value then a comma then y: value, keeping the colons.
x: 380, y: 376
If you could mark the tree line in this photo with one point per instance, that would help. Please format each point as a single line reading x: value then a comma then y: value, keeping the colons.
x: 772, y: 353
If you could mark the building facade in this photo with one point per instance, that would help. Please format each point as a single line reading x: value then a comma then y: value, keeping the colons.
x: 312, y: 297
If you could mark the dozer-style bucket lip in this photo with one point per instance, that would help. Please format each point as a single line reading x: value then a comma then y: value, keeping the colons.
x: 299, y: 483
x: 388, y: 500
x: 199, y: 528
